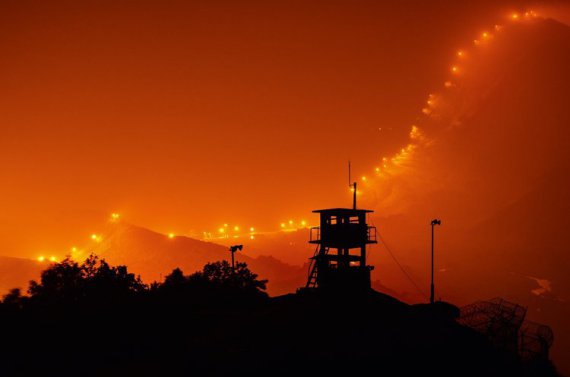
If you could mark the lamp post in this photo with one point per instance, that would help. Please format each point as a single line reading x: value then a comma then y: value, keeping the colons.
x: 233, y: 249
x: 434, y: 222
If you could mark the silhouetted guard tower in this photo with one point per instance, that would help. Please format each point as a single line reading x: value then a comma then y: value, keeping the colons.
x: 340, y: 258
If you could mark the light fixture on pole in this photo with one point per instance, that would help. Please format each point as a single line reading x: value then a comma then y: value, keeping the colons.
x: 233, y: 249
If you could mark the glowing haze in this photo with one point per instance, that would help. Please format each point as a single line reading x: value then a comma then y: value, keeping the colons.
x: 220, y: 119
x: 186, y: 117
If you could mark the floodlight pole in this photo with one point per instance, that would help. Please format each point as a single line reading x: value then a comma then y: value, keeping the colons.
x: 434, y: 222
x: 233, y: 249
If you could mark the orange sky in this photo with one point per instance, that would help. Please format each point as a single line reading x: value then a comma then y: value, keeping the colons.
x: 183, y: 116
x: 187, y: 115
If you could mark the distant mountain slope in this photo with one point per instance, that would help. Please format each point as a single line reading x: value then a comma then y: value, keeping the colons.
x: 17, y: 272
x: 497, y: 173
x: 154, y: 255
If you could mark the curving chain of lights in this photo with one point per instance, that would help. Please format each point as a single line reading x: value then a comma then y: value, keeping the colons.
x: 387, y: 166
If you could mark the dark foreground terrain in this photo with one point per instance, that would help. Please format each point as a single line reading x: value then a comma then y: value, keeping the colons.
x: 98, y: 320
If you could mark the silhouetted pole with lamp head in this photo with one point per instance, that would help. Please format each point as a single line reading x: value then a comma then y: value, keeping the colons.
x: 434, y: 222
x: 233, y: 249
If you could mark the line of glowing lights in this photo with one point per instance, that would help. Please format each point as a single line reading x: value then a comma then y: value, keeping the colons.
x: 386, y: 164
x: 416, y: 136
x: 224, y: 232
x: 43, y: 258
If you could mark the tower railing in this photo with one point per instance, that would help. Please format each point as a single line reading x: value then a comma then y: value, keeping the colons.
x: 372, y: 234
x: 315, y: 234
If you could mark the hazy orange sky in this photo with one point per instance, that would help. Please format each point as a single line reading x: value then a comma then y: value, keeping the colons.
x: 186, y: 115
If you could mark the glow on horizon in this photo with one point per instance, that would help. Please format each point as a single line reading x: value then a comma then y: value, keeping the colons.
x: 388, y: 164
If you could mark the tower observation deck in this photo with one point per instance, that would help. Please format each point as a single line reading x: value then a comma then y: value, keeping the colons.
x: 339, y: 261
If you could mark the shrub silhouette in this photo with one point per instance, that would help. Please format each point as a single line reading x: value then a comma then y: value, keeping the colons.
x: 68, y: 283
x: 96, y: 319
x: 222, y: 274
x: 216, y: 284
x: 14, y: 299
x: 96, y: 284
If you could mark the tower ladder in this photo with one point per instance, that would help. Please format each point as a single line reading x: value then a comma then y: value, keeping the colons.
x: 313, y: 270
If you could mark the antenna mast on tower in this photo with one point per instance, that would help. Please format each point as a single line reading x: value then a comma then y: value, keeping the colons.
x: 353, y: 184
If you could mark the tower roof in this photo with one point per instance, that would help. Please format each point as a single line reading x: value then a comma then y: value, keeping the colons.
x: 342, y: 210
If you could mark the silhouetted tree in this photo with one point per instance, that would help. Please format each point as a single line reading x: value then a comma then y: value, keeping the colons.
x: 94, y: 280
x: 60, y: 282
x: 216, y: 284
x: 216, y: 322
x: 14, y: 299
x: 110, y: 281
x: 175, y: 279
x: 221, y: 273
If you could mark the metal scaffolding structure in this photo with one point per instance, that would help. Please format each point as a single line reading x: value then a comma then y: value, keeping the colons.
x: 503, y: 323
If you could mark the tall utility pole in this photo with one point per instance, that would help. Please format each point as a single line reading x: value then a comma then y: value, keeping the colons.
x: 434, y: 222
